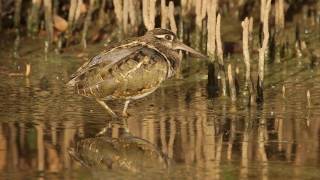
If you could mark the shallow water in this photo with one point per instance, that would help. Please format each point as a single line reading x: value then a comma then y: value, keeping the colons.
x: 203, y: 137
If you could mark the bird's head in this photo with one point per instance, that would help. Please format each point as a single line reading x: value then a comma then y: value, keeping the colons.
x: 167, y: 39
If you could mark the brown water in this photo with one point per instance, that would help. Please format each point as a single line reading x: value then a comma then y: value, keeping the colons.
x: 203, y: 137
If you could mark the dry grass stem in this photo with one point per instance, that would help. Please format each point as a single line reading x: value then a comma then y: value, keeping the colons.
x: 245, y: 47
x: 201, y: 11
x: 1, y: 13
x: 132, y: 13
x: 73, y: 16
x: 164, y: 14
x: 262, y: 9
x: 102, y: 14
x: 87, y: 24
x: 263, y: 50
x: 118, y: 9
x: 251, y: 31
x: 173, y: 25
x: 149, y: 13
x: 279, y: 15
x: 246, y: 25
x: 17, y: 13
x: 212, y: 18
x: 49, y: 20
x: 33, y: 19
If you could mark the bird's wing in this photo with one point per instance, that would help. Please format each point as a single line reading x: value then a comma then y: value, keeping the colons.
x: 111, y: 55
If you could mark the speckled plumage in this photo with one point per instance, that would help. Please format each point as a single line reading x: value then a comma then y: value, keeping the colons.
x: 130, y: 69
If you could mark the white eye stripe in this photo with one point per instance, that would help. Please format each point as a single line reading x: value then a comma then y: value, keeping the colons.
x: 161, y: 36
x: 165, y: 36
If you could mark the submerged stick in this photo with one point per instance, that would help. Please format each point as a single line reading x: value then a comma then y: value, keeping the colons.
x: 231, y: 84
x: 262, y: 52
x: 220, y: 57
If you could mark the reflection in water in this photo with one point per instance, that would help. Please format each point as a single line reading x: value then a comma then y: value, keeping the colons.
x: 40, y: 120
x: 126, y: 152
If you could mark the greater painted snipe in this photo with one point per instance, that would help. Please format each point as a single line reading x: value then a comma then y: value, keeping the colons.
x: 130, y: 69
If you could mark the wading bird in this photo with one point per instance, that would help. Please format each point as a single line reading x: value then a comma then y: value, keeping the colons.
x: 130, y: 69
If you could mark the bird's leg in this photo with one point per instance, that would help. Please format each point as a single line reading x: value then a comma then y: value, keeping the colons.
x: 105, y: 129
x: 103, y: 104
x: 125, y: 125
x: 124, y: 112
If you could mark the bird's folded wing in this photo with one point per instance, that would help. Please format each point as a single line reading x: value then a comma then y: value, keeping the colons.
x: 109, y: 57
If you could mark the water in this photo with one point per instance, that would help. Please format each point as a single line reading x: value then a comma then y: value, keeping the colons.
x: 202, y: 137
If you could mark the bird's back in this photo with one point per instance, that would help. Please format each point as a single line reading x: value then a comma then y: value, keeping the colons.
x: 132, y: 77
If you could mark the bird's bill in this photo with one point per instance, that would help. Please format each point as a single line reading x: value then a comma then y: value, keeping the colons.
x: 180, y: 46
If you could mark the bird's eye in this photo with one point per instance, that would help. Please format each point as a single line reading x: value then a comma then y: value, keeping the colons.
x: 168, y: 37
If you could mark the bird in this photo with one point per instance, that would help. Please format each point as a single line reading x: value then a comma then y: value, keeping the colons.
x: 130, y: 69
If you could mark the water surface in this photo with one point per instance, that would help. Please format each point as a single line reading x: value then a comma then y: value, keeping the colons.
x: 203, y: 137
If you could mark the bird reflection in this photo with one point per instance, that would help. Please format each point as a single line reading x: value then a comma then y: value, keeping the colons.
x: 126, y: 152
